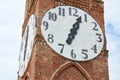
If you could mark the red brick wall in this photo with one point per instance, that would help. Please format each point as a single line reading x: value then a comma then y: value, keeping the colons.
x: 45, y: 64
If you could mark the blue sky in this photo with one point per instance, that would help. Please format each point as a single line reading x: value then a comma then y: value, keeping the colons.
x: 112, y: 24
x: 11, y: 20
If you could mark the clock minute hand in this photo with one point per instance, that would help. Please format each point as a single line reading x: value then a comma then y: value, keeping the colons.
x: 73, y: 31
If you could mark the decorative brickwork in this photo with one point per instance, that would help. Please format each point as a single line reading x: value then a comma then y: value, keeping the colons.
x: 45, y: 64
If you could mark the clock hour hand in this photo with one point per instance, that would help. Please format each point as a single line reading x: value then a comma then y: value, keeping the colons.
x: 26, y: 43
x: 73, y: 31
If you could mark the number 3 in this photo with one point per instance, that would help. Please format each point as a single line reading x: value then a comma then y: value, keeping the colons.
x: 99, y: 37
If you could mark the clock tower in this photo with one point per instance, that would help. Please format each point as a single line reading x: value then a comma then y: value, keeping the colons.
x: 63, y: 40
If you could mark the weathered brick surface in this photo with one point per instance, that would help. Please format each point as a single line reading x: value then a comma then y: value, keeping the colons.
x: 45, y: 64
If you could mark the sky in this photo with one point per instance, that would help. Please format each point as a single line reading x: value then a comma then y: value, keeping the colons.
x: 11, y: 21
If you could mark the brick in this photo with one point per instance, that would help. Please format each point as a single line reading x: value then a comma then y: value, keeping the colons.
x: 45, y: 64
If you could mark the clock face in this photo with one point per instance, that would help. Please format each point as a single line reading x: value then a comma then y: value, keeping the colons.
x: 72, y: 33
x: 27, y: 45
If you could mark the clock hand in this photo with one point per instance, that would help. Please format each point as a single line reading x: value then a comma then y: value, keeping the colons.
x: 26, y: 42
x: 73, y: 31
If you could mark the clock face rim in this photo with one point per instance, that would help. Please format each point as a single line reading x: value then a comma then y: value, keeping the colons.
x: 63, y: 53
x: 32, y: 28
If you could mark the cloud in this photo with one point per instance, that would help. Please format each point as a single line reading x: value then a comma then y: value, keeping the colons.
x: 112, y: 25
x: 114, y: 69
x: 11, y: 20
x: 112, y: 14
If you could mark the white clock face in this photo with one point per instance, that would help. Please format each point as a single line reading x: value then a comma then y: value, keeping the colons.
x: 27, y: 45
x: 72, y: 33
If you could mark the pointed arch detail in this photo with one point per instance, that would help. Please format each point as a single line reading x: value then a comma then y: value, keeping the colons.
x: 67, y: 67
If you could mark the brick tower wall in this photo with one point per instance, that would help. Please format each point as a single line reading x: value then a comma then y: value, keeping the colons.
x: 45, y: 64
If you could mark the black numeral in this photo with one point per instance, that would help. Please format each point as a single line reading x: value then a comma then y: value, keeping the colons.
x: 45, y: 23
x: 84, y: 52
x: 73, y: 55
x: 85, y: 16
x: 99, y: 37
x: 62, y: 45
x: 94, y: 48
x: 50, y: 38
x: 95, y: 26
x: 33, y: 31
x: 21, y: 48
x: 26, y: 43
x: 33, y: 21
x: 52, y: 16
x: 61, y: 11
x: 22, y: 67
x: 73, y: 12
